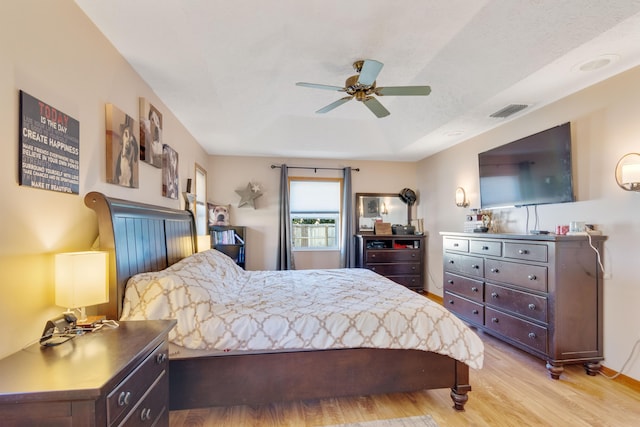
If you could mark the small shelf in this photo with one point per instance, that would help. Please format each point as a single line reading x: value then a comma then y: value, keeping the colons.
x: 230, y: 240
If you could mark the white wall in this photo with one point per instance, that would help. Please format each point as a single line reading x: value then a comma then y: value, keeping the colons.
x: 53, y: 52
x: 225, y: 174
x: 606, y: 125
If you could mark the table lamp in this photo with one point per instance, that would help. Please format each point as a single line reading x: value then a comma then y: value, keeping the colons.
x: 81, y: 279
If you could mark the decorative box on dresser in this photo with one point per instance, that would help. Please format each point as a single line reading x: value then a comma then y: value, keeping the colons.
x: 540, y: 293
x: 108, y: 377
x: 401, y: 258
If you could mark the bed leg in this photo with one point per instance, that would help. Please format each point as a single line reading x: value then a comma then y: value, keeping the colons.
x: 459, y: 398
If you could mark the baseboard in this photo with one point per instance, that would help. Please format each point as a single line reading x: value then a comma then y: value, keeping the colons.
x: 622, y: 378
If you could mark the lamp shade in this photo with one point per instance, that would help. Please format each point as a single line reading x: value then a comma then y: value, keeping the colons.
x: 81, y: 279
x: 628, y: 172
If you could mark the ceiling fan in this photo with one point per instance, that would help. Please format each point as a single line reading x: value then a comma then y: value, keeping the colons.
x: 362, y: 87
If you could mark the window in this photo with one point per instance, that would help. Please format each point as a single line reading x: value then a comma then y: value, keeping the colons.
x: 315, y: 212
x: 201, y: 200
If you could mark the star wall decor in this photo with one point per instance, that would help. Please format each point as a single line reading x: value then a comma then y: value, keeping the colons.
x: 249, y: 195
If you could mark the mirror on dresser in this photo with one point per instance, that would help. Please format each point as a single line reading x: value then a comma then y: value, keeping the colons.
x: 385, y: 207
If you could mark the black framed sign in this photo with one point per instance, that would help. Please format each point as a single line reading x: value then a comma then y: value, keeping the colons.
x: 49, y: 148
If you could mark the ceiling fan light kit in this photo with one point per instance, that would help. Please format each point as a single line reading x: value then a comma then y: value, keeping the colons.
x: 362, y: 87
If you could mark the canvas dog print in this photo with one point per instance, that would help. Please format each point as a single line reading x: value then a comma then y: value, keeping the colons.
x: 169, y: 172
x: 150, y: 134
x: 122, y: 148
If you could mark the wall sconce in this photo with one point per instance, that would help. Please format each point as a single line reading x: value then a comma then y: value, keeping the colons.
x: 628, y: 172
x: 461, y: 198
x: 81, y: 279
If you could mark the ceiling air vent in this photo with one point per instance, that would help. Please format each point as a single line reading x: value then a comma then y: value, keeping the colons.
x: 508, y: 110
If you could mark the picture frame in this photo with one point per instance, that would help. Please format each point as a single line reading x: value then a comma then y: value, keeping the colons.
x: 169, y: 172
x: 151, y: 147
x: 219, y: 214
x: 123, y: 150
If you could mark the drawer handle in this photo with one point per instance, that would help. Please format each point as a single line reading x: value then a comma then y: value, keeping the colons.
x: 373, y: 269
x: 161, y: 358
x: 494, y: 295
x: 532, y: 277
x: 476, y: 266
x: 532, y: 306
x: 474, y: 311
x: 450, y: 282
x: 451, y: 301
x: 373, y: 255
x: 532, y: 335
x: 413, y: 255
x: 485, y: 248
x: 451, y: 261
x: 145, y: 414
x: 124, y: 398
x: 494, y: 320
x: 455, y: 245
x: 474, y: 289
x: 413, y: 268
x: 495, y: 270
x: 523, y: 252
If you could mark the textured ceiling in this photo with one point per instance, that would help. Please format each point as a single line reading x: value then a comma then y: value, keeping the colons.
x: 228, y: 70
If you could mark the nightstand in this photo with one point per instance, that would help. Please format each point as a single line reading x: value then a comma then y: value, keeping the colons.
x: 103, y: 378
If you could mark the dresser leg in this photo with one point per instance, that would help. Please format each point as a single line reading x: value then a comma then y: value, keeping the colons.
x: 555, y: 370
x: 592, y: 368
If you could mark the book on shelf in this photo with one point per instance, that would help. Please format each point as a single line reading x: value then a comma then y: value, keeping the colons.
x: 227, y: 237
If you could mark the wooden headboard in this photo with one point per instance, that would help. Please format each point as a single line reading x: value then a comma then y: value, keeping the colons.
x: 139, y: 238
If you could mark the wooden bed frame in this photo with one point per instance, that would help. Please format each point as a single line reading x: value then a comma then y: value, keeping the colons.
x: 142, y: 238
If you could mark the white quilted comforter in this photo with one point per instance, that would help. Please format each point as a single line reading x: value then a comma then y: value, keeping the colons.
x: 219, y: 306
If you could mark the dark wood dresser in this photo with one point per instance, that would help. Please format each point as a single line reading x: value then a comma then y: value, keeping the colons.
x: 401, y: 258
x: 542, y: 294
x: 104, y: 378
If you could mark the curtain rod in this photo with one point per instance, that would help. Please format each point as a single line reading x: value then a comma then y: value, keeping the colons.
x: 313, y: 168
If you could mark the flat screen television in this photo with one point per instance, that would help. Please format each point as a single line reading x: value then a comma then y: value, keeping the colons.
x: 534, y: 170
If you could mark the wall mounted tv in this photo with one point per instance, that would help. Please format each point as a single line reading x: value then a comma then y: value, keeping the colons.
x: 534, y: 170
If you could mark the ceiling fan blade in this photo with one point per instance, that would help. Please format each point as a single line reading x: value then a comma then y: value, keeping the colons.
x: 403, y: 90
x: 375, y: 107
x: 369, y: 72
x: 319, y: 86
x: 334, y: 104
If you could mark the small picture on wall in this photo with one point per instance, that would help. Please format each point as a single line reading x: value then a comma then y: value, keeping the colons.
x: 371, y: 207
x: 122, y: 148
x: 219, y: 214
x: 169, y: 172
x: 150, y: 134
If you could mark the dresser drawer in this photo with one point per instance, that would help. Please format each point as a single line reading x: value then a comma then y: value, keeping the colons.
x: 525, y: 275
x: 526, y: 333
x: 526, y: 251
x: 464, y: 264
x: 128, y: 393
x: 470, y: 288
x: 485, y: 247
x: 398, y: 268
x: 464, y: 308
x: 522, y: 303
x: 152, y: 407
x: 452, y: 244
x: 392, y: 255
x: 413, y: 282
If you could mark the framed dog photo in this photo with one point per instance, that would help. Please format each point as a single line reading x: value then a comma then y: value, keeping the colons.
x: 219, y: 214
x: 122, y: 148
x: 150, y: 134
x: 169, y: 172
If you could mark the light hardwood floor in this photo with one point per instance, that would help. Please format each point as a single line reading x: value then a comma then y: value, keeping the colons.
x: 512, y: 389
